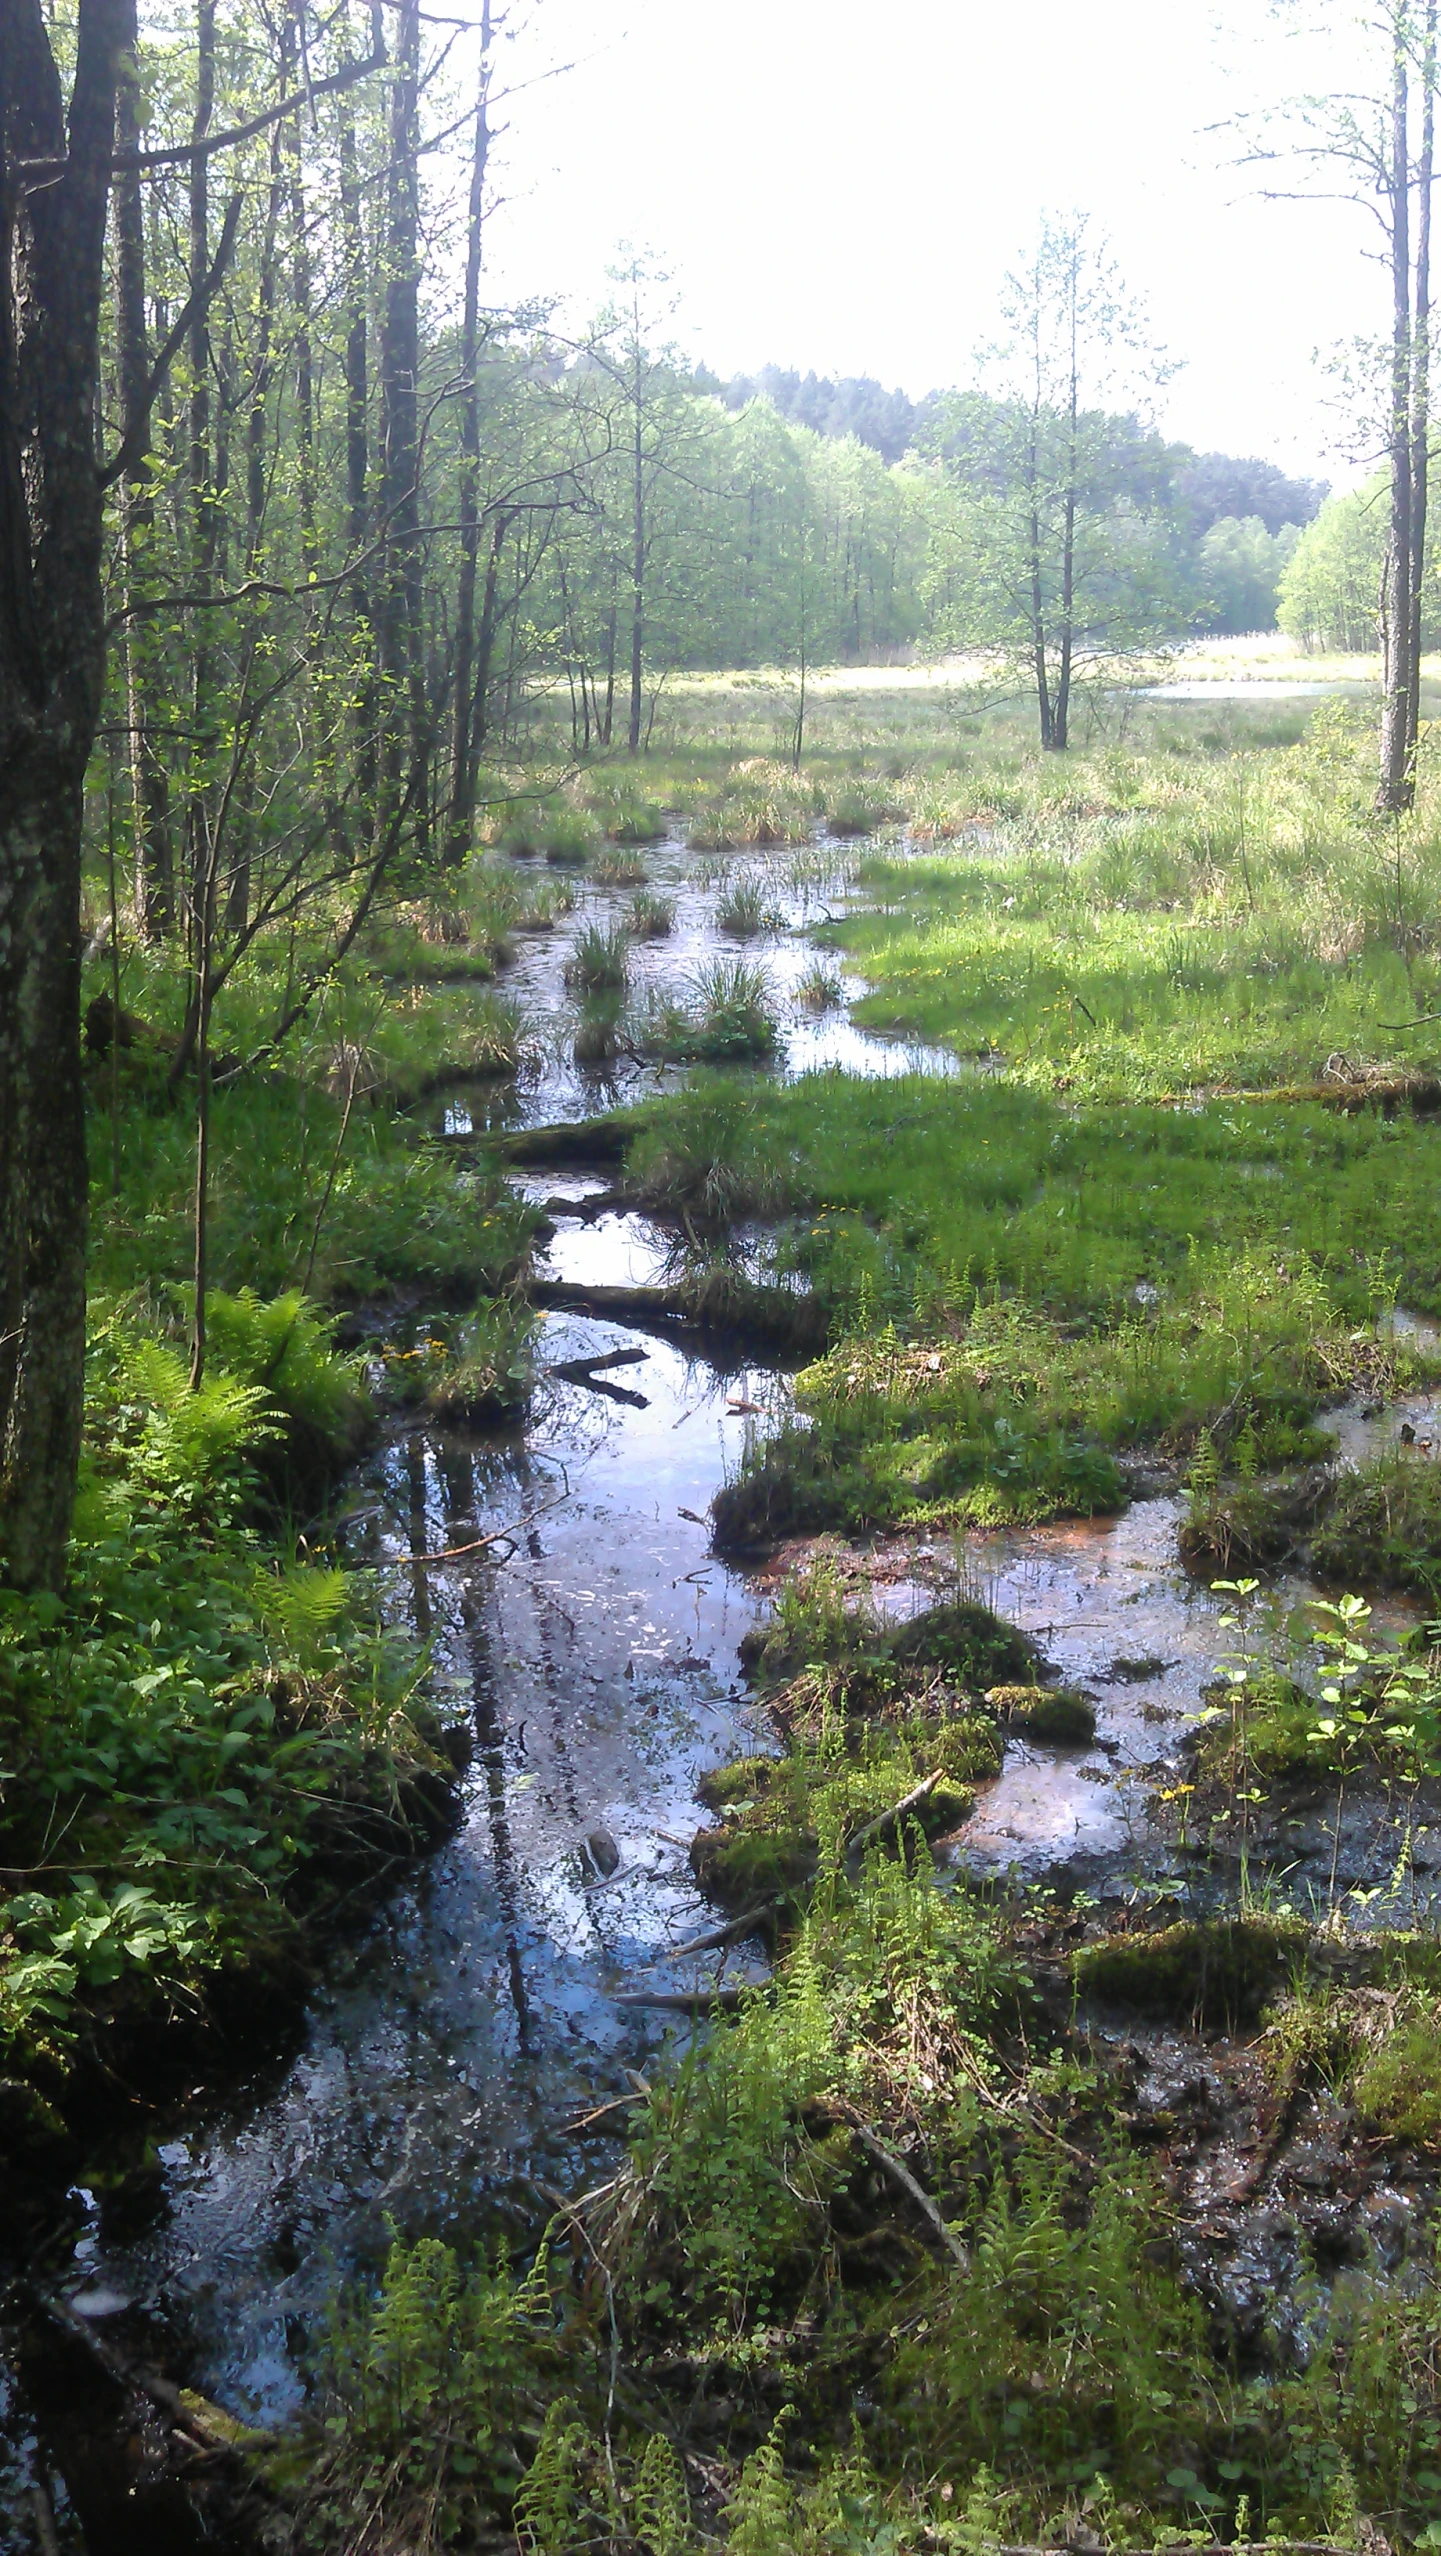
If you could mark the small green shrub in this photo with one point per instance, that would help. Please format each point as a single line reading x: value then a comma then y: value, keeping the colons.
x: 1382, y: 1527
x: 488, y: 1368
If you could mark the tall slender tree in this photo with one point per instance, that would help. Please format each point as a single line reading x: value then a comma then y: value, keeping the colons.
x: 55, y: 166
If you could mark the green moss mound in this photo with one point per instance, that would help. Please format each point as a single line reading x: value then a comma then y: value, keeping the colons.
x: 1398, y: 2087
x: 1060, y: 1714
x: 1217, y: 1971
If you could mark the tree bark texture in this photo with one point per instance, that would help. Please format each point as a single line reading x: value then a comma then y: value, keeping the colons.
x: 399, y: 618
x: 52, y: 263
x: 153, y: 852
x: 462, y: 754
x: 1397, y: 785
x: 1421, y: 371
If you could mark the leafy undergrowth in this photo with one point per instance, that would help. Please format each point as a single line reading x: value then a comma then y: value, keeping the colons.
x: 900, y: 2259
x: 205, y: 1735
x: 470, y: 1371
x: 951, y: 2237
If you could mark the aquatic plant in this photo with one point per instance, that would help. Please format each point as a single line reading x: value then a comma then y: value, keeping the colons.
x: 743, y: 911
x: 484, y: 1370
x: 821, y: 989
x: 599, y: 1035
x: 599, y: 958
x: 618, y: 869
x: 860, y: 807
x: 650, y: 916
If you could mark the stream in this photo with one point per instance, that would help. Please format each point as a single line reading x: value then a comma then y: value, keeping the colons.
x: 595, y: 1660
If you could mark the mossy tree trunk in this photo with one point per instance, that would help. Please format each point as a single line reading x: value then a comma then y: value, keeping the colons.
x: 54, y: 190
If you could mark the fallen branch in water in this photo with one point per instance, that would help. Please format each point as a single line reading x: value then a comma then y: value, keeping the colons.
x: 679, y: 2001
x: 497, y: 1535
x: 745, y: 1924
x: 576, y: 1370
x: 602, y: 2112
x: 209, y: 2426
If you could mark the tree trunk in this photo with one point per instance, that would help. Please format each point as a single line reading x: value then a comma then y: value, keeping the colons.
x: 199, y: 467
x: 612, y: 634
x: 357, y: 450
x: 154, y: 859
x: 300, y: 286
x: 1061, y: 714
x: 485, y: 650
x: 52, y: 656
x: 1421, y: 375
x: 1038, y: 642
x: 1397, y: 785
x: 637, y: 565
x: 462, y: 759
x: 401, y: 666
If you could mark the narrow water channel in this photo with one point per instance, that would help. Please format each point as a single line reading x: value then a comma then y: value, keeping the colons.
x: 594, y: 1659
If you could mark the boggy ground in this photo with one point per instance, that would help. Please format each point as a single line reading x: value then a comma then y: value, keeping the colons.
x: 985, y: 2218
x: 990, y: 2219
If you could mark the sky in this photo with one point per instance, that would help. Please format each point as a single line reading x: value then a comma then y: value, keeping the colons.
x: 842, y: 187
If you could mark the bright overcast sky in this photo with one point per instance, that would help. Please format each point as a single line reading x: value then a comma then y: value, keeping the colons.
x: 842, y: 186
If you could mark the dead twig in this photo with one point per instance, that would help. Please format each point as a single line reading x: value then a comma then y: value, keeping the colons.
x: 902, y: 2176
x: 745, y: 1924
x: 498, y: 1535
x: 888, y: 1819
x: 679, y: 2001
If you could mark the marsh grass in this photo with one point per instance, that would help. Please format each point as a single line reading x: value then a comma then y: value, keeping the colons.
x: 425, y: 1045
x: 485, y: 1370
x: 760, y: 803
x: 743, y: 910
x: 600, y: 1033
x: 599, y: 958
x: 727, y: 1017
x: 563, y: 834
x: 650, y: 916
x: 821, y: 989
x: 618, y: 868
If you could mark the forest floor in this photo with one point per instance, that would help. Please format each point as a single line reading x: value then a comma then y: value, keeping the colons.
x: 1086, y: 2203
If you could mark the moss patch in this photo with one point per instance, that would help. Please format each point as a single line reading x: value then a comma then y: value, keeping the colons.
x: 1397, y: 2088
x: 1216, y: 1971
x: 1060, y: 1714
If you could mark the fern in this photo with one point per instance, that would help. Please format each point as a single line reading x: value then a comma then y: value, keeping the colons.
x: 193, y: 1439
x: 303, y: 1608
x: 547, y: 2508
x: 662, y: 2509
x: 285, y: 1346
x: 763, y: 2511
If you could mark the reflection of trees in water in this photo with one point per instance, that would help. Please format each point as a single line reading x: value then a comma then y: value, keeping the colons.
x: 417, y: 1527
x: 455, y: 1469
